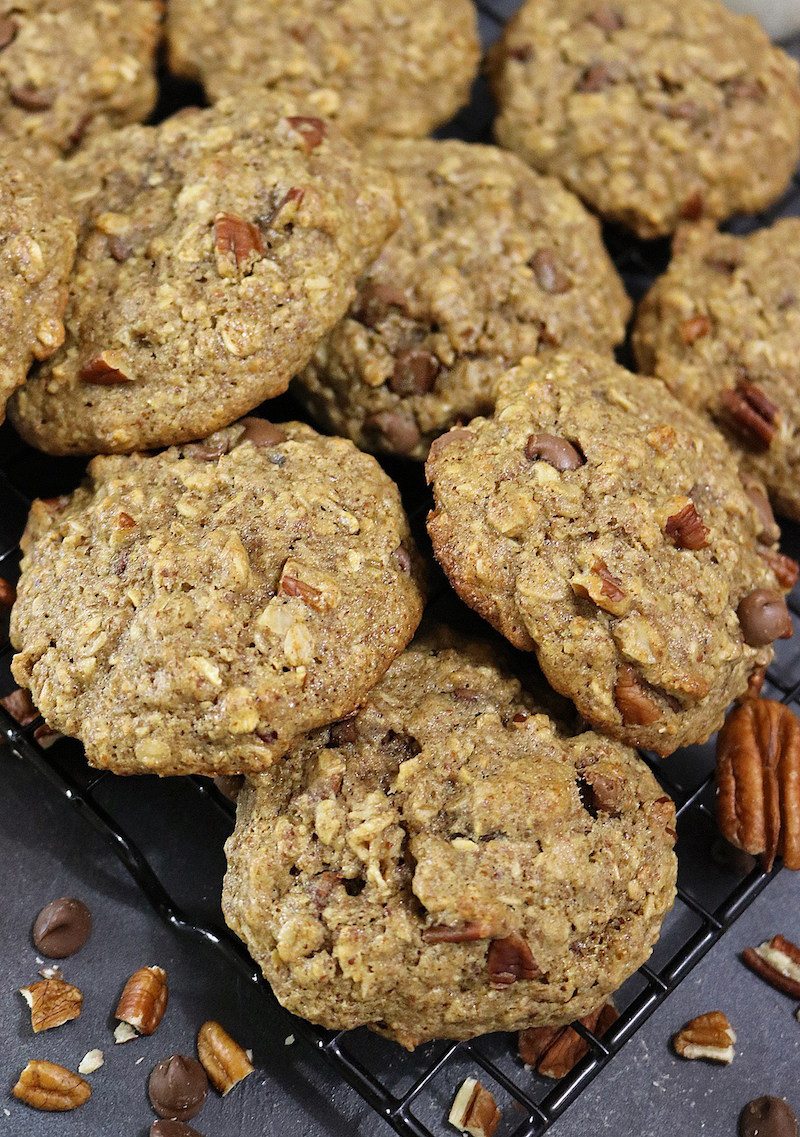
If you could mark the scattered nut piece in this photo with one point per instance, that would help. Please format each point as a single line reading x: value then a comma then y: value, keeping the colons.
x: 91, y: 1062
x: 290, y: 586
x: 708, y: 1036
x: 787, y: 570
x: 223, y: 1059
x: 778, y: 962
x: 52, y: 1002
x: 20, y: 706
x: 124, y: 1032
x: 143, y: 1000
x: 555, y: 1051
x: 46, y: 1086
x: 474, y: 1110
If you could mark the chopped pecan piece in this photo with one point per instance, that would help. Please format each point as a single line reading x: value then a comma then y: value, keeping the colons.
x: 103, y: 370
x: 693, y: 207
x: 20, y: 706
x: 238, y: 243
x: 633, y: 702
x: 46, y: 1086
x: 31, y: 98
x: 510, y: 959
x: 52, y: 1002
x: 144, y: 1000
x: 554, y: 1051
x: 603, y: 588
x: 778, y: 962
x: 125, y: 521
x: 550, y: 276
x: 414, y: 372
x: 707, y: 1036
x: 686, y: 530
x: 457, y: 934
x: 694, y: 329
x: 8, y: 31
x: 291, y: 586
x: 474, y: 1110
x: 222, y: 1057
x: 311, y: 130
x: 752, y: 413
x: 596, y: 78
x: 785, y: 568
x: 758, y: 772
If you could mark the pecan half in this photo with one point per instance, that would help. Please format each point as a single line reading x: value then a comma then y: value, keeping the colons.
x: 778, y: 962
x: 708, y: 1036
x: 238, y: 244
x: 632, y: 700
x: 752, y: 414
x: 785, y: 568
x: 291, y: 586
x: 46, y: 1086
x: 510, y: 959
x: 103, y: 370
x: 222, y: 1058
x: 144, y: 1000
x: 554, y: 1051
x: 694, y: 329
x: 311, y: 130
x: 758, y: 774
x: 52, y: 1002
x: 458, y: 933
x: 474, y: 1110
x: 686, y: 530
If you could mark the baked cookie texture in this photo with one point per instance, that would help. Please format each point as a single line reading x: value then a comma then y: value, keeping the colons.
x: 448, y: 862
x: 215, y: 250
x: 199, y: 610
x: 393, y: 67
x: 37, y: 247
x: 597, y: 521
x: 722, y: 328
x: 72, y: 68
x: 652, y: 111
x: 491, y: 263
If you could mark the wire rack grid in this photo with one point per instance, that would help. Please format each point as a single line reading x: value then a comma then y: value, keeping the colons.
x: 413, y: 1092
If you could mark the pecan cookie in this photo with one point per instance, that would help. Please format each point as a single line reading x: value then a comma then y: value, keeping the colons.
x: 198, y: 610
x: 448, y: 861
x: 215, y: 251
x: 491, y: 263
x: 597, y: 521
x: 375, y: 66
x: 650, y: 110
x: 722, y: 328
x: 37, y: 247
x: 72, y: 69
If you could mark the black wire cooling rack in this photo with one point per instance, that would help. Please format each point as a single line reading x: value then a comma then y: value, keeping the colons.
x: 413, y: 1092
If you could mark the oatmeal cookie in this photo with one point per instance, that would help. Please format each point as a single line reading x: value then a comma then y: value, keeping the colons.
x: 491, y: 263
x: 72, y: 69
x: 650, y: 110
x: 448, y: 861
x: 37, y: 247
x: 215, y: 251
x: 199, y: 610
x: 597, y: 521
x: 375, y: 66
x: 722, y: 328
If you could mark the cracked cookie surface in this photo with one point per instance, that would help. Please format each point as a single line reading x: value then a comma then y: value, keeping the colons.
x: 650, y: 110
x: 375, y: 66
x: 722, y: 328
x: 215, y: 250
x: 71, y: 68
x: 597, y: 521
x: 198, y: 610
x: 491, y: 263
x: 37, y: 246
x: 448, y: 862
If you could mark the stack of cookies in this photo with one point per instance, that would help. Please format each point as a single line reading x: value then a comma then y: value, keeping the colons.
x: 426, y: 841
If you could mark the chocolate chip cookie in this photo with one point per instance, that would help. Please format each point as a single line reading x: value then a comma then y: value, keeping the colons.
x: 652, y: 111
x: 198, y: 610
x: 375, y: 66
x: 37, y: 247
x: 68, y: 70
x: 491, y: 263
x: 215, y: 251
x: 722, y: 328
x: 448, y: 861
x: 597, y: 521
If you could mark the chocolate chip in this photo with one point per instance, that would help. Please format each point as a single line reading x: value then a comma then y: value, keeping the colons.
x: 119, y: 249
x: 769, y: 532
x: 172, y: 1129
x: 62, y: 927
x: 229, y: 785
x: 767, y: 1117
x: 31, y: 98
x: 178, y: 1087
x: 548, y: 272
x: 8, y: 31
x: 554, y: 450
x: 261, y: 432
x: 764, y: 617
x: 415, y: 372
x: 399, y: 432
x: 375, y: 300
x: 343, y: 733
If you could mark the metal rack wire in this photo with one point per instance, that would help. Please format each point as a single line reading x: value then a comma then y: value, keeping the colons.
x: 413, y: 1092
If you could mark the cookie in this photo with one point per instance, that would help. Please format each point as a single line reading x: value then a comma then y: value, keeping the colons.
x: 215, y: 251
x: 37, y: 247
x: 652, y: 111
x: 198, y: 610
x: 600, y: 523
x: 375, y: 66
x: 491, y: 263
x: 448, y: 861
x: 722, y: 328
x: 71, y: 70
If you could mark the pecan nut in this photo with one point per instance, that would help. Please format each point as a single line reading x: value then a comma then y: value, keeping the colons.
x: 297, y: 589
x: 686, y: 530
x: 238, y: 244
x: 696, y: 327
x: 601, y: 587
x: 752, y: 414
x: 778, y: 962
x: 222, y: 1057
x: 312, y: 130
x: 632, y: 700
x: 144, y: 1000
x: 510, y: 959
x: 554, y: 1051
x: 758, y: 774
x: 457, y: 933
x: 787, y: 570
x: 52, y: 1002
x: 709, y: 1036
x: 474, y: 1110
x: 103, y: 370
x: 46, y: 1086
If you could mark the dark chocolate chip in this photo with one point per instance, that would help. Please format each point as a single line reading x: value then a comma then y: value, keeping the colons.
x: 767, y: 1117
x: 178, y: 1087
x: 62, y: 927
x: 343, y: 733
x: 415, y: 372
x: 399, y: 432
x: 375, y: 300
x: 764, y: 617
x: 554, y: 450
